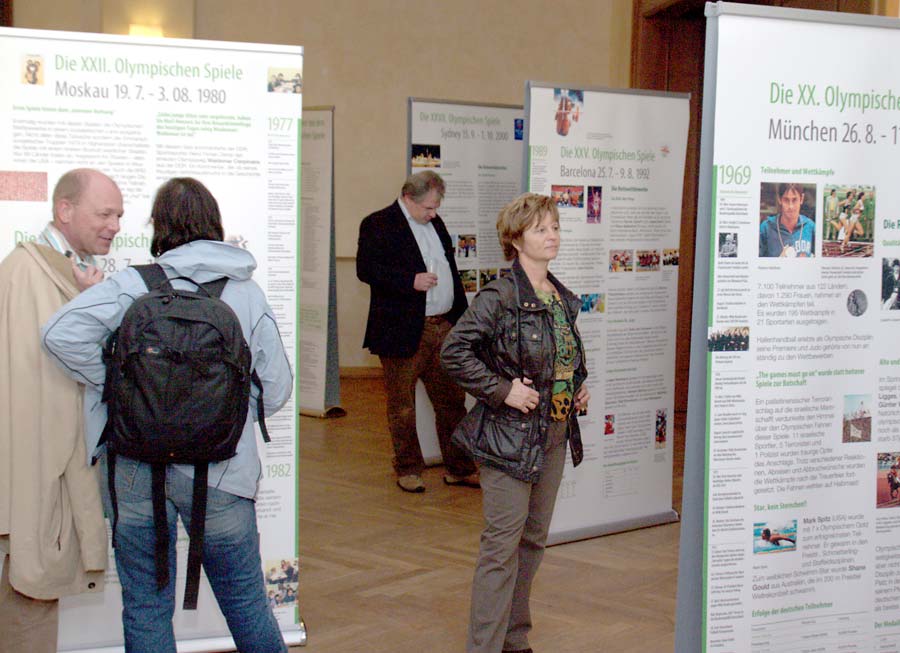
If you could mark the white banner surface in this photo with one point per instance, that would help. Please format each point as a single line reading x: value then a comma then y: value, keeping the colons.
x: 143, y: 111
x: 802, y: 406
x: 614, y: 163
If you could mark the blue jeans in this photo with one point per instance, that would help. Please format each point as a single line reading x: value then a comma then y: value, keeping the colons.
x: 231, y: 560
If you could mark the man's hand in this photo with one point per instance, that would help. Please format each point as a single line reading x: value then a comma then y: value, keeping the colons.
x: 86, y: 278
x: 521, y: 396
x: 424, y: 281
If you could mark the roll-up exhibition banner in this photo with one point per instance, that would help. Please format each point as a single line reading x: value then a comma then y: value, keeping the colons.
x: 477, y: 150
x: 318, y: 388
x: 145, y: 110
x: 613, y: 161
x: 791, y: 538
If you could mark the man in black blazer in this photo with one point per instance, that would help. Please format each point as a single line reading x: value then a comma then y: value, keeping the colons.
x: 406, y: 256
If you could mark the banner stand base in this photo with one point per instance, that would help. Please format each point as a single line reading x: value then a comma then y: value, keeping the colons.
x: 331, y: 411
x: 296, y: 637
x: 597, y: 530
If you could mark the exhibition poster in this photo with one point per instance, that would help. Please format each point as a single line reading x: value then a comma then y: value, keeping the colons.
x: 318, y: 388
x: 613, y: 161
x: 144, y: 110
x: 802, y: 409
x: 477, y: 150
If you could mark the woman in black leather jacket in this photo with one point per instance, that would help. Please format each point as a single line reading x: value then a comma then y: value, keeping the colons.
x: 518, y: 352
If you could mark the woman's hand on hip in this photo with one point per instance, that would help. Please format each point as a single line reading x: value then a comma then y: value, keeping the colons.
x: 521, y: 396
x: 582, y: 397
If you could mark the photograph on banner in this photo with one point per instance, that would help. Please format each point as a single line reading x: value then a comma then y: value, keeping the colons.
x: 857, y: 424
x: 567, y: 196
x: 285, y: 80
x: 620, y: 260
x: 281, y: 582
x: 425, y: 156
x: 775, y: 537
x: 887, y: 488
x: 33, y: 69
x: 787, y: 224
x: 729, y: 339
x: 569, y: 103
x: 890, y: 284
x: 594, y: 302
x: 857, y: 302
x: 728, y: 245
x: 469, y: 280
x: 646, y: 260
x: 595, y: 203
x: 609, y: 424
x: 849, y: 221
x: 662, y: 428
x: 23, y: 186
x: 486, y: 276
x: 466, y: 247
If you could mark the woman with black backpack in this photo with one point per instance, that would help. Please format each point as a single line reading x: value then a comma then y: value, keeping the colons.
x: 141, y: 374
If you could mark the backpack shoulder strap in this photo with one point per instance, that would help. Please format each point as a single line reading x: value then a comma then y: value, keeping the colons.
x: 260, y: 409
x: 215, y: 288
x: 197, y: 533
x: 153, y: 275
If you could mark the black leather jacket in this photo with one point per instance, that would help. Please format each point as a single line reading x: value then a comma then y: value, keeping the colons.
x: 507, y: 333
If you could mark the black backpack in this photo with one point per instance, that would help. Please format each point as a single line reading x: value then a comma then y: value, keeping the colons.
x: 178, y: 375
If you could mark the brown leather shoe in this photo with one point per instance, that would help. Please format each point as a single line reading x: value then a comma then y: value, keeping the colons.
x: 411, y: 483
x: 472, y: 480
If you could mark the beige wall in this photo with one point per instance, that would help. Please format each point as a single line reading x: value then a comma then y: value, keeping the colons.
x: 73, y: 16
x: 366, y: 57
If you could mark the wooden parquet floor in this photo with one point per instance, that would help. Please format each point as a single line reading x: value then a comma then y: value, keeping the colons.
x: 383, y: 571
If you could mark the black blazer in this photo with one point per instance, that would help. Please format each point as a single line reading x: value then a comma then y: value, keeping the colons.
x: 388, y: 259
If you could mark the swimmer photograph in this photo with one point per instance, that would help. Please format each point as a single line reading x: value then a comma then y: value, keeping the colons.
x: 775, y: 537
